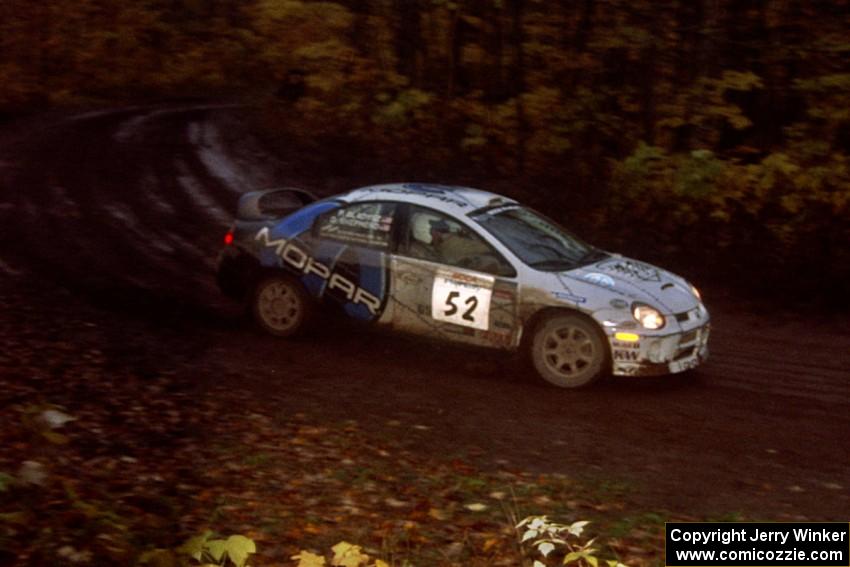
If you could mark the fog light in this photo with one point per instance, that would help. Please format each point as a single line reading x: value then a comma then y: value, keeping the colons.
x: 627, y: 337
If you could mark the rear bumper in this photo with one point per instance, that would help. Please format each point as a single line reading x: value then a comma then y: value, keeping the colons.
x: 236, y: 272
x: 655, y: 356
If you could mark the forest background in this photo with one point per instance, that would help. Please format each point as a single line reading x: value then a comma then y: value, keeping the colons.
x: 711, y: 135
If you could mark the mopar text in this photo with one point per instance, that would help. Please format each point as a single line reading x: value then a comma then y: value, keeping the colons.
x: 300, y: 260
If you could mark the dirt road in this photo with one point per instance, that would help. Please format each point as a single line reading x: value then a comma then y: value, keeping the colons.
x: 127, y: 209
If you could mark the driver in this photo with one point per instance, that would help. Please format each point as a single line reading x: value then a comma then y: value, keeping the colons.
x: 456, y: 247
x: 421, y: 238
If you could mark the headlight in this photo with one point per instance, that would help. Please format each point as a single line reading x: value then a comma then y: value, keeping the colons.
x: 648, y: 317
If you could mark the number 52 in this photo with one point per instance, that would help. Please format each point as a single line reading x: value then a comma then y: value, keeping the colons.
x: 471, y: 302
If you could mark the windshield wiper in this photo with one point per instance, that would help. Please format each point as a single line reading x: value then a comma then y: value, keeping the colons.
x: 593, y: 255
x: 553, y: 264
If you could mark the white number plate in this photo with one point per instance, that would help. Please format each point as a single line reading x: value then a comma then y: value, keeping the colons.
x: 462, y: 300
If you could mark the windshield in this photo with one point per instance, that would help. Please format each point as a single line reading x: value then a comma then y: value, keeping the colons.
x: 537, y: 241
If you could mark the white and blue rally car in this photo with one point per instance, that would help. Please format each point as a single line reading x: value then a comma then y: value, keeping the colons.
x: 463, y: 265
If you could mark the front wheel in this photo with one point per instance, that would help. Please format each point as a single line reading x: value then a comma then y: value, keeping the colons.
x: 280, y: 306
x: 568, y: 351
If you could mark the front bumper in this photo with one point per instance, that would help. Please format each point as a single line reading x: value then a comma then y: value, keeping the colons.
x: 658, y: 355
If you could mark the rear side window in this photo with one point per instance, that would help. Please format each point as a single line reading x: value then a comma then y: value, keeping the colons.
x: 364, y: 224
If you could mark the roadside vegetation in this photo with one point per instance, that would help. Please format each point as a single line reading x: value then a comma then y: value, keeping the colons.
x: 713, y: 135
x: 123, y: 464
x: 715, y: 132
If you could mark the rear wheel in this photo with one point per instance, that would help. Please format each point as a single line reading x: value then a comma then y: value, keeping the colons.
x: 280, y: 306
x: 568, y: 351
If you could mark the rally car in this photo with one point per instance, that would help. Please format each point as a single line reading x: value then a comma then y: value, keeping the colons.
x: 463, y: 265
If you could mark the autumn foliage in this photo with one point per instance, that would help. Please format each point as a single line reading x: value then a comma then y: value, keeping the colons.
x: 714, y: 130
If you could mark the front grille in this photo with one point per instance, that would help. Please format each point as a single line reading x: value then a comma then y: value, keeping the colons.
x: 684, y: 353
x: 688, y: 337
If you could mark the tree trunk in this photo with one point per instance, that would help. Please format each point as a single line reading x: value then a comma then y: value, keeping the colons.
x: 517, y: 13
x: 408, y: 40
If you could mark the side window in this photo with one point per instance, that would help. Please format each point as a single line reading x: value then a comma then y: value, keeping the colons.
x: 365, y: 224
x: 437, y: 238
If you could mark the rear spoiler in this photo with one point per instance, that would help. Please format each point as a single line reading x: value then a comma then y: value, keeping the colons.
x: 272, y: 203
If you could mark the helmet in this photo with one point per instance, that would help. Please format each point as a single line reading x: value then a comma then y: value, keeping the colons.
x: 422, y: 224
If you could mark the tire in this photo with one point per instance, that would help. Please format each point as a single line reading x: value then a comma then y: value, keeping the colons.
x: 280, y: 306
x: 569, y: 351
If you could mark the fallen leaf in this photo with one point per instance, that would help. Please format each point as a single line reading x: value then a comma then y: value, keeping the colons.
x: 307, y: 559
x: 54, y: 418
x: 348, y: 555
x: 32, y: 472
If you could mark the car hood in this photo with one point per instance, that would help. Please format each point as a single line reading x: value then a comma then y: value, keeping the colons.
x: 639, y: 281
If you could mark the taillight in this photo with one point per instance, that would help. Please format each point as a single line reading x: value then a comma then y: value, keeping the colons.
x: 228, y: 238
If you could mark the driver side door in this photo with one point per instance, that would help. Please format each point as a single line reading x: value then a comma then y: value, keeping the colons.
x: 453, y: 286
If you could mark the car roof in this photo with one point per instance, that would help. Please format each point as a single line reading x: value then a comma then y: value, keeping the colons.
x: 447, y: 198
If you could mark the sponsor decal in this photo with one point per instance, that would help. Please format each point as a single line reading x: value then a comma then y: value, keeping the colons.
x: 358, y: 224
x: 567, y: 296
x: 504, y: 294
x: 465, y: 278
x: 618, y: 344
x: 618, y: 303
x: 626, y: 355
x: 682, y: 365
x: 428, y: 189
x: 633, y: 269
x: 294, y: 257
x: 408, y: 278
x: 354, y: 218
x: 463, y: 301
x: 599, y: 279
x: 495, y: 338
x: 437, y: 193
